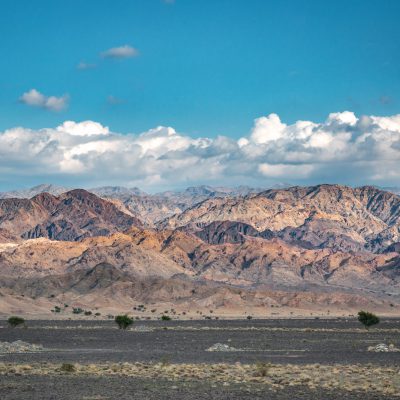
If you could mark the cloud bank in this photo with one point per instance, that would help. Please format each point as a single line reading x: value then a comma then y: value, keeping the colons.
x: 343, y: 149
x: 34, y: 98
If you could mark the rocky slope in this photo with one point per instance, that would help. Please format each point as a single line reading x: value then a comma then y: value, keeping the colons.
x: 33, y: 191
x: 154, y: 208
x: 321, y: 216
x: 329, y: 244
x: 73, y: 215
x: 182, y: 262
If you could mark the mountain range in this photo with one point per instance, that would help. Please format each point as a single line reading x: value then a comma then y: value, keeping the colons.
x: 292, y: 248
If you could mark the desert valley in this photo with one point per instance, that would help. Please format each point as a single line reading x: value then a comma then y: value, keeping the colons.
x: 200, y: 200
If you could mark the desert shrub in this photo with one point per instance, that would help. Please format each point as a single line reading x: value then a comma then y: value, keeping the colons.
x: 77, y: 310
x: 367, y: 319
x: 15, y: 321
x: 57, y: 309
x: 87, y: 313
x: 123, y: 321
x: 97, y: 314
x: 165, y: 361
x: 249, y: 317
x: 67, y: 367
x: 165, y: 318
x: 262, y: 368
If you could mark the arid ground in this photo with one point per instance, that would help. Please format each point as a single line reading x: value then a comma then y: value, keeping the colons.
x: 266, y: 359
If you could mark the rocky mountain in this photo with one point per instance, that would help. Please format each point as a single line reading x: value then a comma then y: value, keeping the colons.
x: 150, y: 208
x: 156, y: 207
x: 393, y: 189
x: 333, y: 216
x: 117, y: 192
x: 171, y: 266
x: 71, y: 216
x: 332, y: 245
x: 33, y: 191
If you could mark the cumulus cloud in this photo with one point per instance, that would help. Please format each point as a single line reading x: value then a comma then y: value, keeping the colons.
x: 85, y: 128
x: 342, y: 149
x: 120, y: 52
x: 34, y: 98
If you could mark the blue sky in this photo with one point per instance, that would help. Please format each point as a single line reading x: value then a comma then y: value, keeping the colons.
x: 205, y: 67
x: 231, y: 77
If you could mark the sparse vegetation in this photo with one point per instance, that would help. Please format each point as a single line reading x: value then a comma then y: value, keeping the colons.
x: 15, y: 321
x: 67, y: 367
x: 123, y: 321
x: 367, y: 319
x: 77, y: 310
x: 165, y: 361
x: 249, y: 317
x: 165, y: 318
x: 87, y: 313
x: 262, y: 369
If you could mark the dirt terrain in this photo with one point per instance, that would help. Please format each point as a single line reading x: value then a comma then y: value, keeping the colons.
x: 274, y: 359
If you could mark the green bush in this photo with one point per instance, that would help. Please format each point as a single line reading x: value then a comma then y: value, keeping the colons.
x: 77, y: 310
x: 67, y: 367
x: 367, y: 319
x: 15, y: 321
x: 123, y: 321
x: 87, y: 313
x: 165, y: 318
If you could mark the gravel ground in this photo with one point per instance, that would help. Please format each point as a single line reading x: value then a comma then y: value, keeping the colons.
x: 124, y: 388
x: 279, y: 341
x: 297, y: 342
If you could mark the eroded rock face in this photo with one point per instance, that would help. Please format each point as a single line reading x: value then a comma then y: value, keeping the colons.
x: 177, y: 267
x: 323, y: 216
x: 325, y: 244
x: 73, y: 215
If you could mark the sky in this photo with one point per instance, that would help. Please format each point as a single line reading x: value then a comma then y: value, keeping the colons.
x: 164, y: 94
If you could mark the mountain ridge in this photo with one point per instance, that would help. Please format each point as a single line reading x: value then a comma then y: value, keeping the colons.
x: 328, y: 242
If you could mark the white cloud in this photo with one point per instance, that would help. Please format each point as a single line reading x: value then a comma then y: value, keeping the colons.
x: 85, y: 128
x: 285, y: 170
x: 120, y: 52
x: 36, y: 99
x: 343, y: 149
x: 84, y: 65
